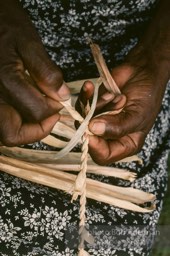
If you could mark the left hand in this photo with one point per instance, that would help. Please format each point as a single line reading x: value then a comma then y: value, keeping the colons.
x: 123, y: 134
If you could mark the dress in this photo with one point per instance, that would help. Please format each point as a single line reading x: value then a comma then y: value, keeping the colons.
x: 37, y: 220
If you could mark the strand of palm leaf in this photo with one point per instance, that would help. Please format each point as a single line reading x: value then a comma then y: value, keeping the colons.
x: 81, y: 180
x: 123, y: 197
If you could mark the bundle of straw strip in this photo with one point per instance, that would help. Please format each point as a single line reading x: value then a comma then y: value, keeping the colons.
x: 49, y: 168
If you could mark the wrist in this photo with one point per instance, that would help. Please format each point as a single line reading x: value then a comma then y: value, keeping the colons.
x: 153, y: 56
x: 153, y: 50
x: 10, y: 9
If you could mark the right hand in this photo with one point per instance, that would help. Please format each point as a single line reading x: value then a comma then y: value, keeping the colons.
x: 28, y: 105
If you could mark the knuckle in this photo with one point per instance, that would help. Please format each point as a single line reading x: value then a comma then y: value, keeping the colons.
x: 99, y: 161
x: 9, y: 140
x: 8, y: 134
x: 99, y: 157
x: 112, y: 131
x: 37, y: 110
x: 47, y: 72
x: 135, y: 142
x: 140, y: 140
x: 102, y: 162
x: 130, y: 147
x: 52, y: 76
x: 138, y: 147
x: 38, y: 115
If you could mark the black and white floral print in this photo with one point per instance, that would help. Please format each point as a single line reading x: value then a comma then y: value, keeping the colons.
x: 37, y: 220
x: 65, y: 26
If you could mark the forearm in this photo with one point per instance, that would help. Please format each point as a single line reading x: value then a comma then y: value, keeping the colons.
x: 10, y: 11
x: 9, y: 4
x: 153, y: 49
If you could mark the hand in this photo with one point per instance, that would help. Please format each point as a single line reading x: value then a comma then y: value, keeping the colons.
x: 28, y: 105
x: 142, y: 79
x: 123, y: 134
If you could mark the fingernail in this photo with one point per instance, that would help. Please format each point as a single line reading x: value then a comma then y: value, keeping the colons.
x: 64, y: 92
x: 107, y: 96
x: 98, y: 128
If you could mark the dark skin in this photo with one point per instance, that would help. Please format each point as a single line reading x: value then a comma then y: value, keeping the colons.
x: 28, y: 105
x: 27, y: 116
x: 142, y: 79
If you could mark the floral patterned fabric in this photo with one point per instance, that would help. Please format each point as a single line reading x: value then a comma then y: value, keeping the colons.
x: 65, y: 26
x: 37, y: 220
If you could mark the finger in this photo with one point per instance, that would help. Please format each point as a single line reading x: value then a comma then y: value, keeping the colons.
x: 28, y: 101
x: 105, y: 97
x: 85, y: 95
x: 107, y: 102
x: 86, y: 92
x: 108, y: 151
x: 42, y: 69
x: 114, y: 126
x: 14, y: 132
